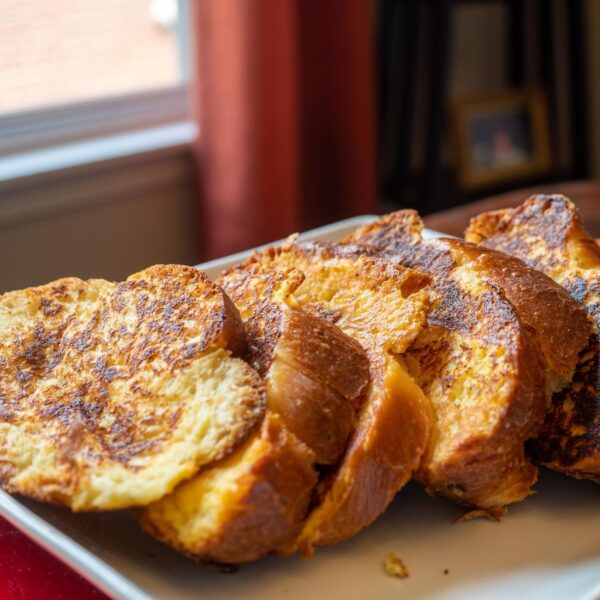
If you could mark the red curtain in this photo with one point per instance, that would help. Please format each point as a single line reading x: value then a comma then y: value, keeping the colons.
x: 285, y: 104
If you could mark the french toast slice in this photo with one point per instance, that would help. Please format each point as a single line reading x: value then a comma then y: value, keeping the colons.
x: 113, y: 393
x: 243, y: 507
x: 500, y: 340
x: 255, y: 501
x: 315, y: 375
x: 383, y: 307
x: 546, y: 232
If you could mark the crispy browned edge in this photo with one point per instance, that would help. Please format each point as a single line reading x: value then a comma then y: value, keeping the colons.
x: 559, y: 324
x: 278, y: 492
x: 378, y: 459
x: 480, y: 467
x: 315, y: 374
x: 376, y: 466
x: 317, y: 387
x: 228, y: 330
x: 545, y: 231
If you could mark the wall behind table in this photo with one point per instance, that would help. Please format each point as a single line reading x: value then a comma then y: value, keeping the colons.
x: 105, y: 221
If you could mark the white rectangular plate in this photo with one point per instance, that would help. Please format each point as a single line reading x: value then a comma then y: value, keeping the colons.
x: 545, y: 548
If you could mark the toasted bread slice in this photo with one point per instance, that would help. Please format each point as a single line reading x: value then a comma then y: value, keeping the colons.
x: 546, y: 232
x: 502, y: 337
x: 242, y: 507
x: 382, y: 307
x: 315, y: 374
x: 114, y: 393
x: 256, y: 500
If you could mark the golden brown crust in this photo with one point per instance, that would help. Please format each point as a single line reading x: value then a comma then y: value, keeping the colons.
x: 316, y: 383
x: 479, y: 459
x: 559, y: 324
x: 385, y: 450
x: 383, y: 307
x: 98, y: 386
x: 315, y: 375
x: 478, y: 359
x: 546, y: 232
x: 257, y: 509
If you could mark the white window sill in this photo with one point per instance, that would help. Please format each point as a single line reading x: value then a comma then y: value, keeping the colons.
x: 23, y: 167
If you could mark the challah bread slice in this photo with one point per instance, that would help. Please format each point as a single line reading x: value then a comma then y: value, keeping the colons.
x: 501, y: 339
x: 315, y: 375
x: 242, y: 507
x: 113, y: 393
x: 255, y: 501
x: 382, y: 307
x: 546, y: 232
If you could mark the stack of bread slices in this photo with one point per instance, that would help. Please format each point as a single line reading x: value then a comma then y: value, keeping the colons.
x: 282, y: 406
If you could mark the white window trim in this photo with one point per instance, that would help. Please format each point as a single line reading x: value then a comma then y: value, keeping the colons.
x: 48, y: 127
x: 19, y: 170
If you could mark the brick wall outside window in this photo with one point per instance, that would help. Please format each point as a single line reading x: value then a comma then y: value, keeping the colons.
x: 56, y: 51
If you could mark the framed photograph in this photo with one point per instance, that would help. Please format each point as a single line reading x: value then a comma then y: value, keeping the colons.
x: 502, y: 138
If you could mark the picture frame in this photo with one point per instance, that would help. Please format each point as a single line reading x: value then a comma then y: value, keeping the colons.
x: 502, y: 138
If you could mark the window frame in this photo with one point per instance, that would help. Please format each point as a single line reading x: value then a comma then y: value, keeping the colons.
x: 35, y: 129
x: 102, y: 117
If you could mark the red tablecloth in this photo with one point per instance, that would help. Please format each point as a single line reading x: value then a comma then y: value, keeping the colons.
x: 28, y: 572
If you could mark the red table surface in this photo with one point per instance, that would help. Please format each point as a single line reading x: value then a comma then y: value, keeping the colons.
x: 28, y: 572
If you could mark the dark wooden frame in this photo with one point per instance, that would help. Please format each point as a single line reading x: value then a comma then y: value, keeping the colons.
x: 534, y: 102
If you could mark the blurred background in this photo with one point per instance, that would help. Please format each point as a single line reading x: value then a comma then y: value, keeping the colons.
x: 134, y: 132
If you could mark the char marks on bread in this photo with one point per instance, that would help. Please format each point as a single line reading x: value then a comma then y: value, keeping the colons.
x: 491, y: 355
x: 547, y: 233
x: 256, y: 500
x: 114, y: 393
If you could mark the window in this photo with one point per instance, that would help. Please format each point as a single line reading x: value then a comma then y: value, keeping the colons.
x: 92, y: 81
x: 63, y: 51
